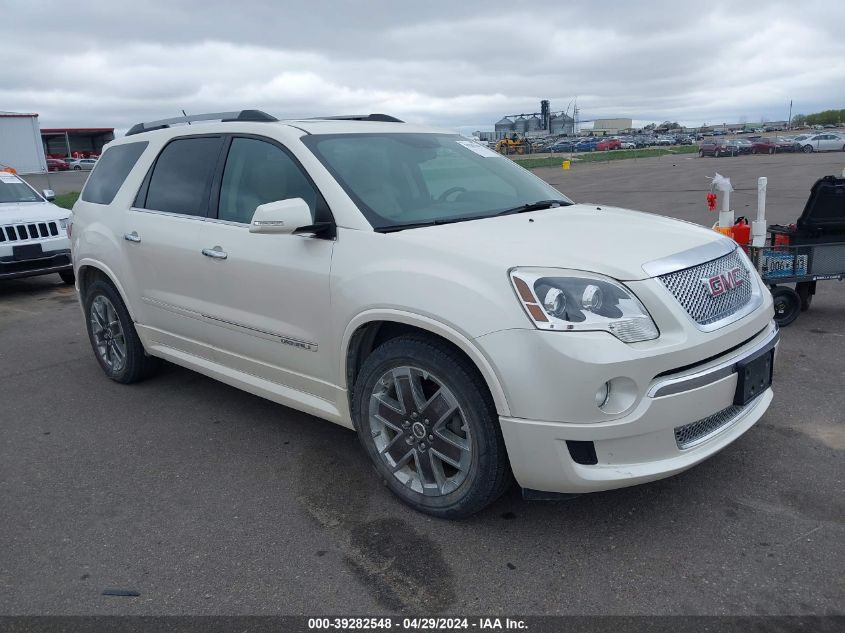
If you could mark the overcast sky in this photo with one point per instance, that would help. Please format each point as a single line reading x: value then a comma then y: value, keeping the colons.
x: 457, y: 64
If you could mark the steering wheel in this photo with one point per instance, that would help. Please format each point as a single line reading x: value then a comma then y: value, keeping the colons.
x: 442, y: 197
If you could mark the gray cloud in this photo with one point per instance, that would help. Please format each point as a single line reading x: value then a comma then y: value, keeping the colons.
x: 445, y: 63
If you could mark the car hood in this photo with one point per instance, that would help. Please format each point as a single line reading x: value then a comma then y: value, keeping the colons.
x: 606, y: 240
x: 20, y: 213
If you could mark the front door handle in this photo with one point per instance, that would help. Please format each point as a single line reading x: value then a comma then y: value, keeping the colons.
x: 216, y: 253
x: 132, y: 237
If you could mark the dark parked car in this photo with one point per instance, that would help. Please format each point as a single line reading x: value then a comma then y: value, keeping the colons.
x: 742, y: 145
x: 773, y: 145
x: 57, y: 164
x: 586, y: 145
x: 717, y: 147
x: 562, y: 146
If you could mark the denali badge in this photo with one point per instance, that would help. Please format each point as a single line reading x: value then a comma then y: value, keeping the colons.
x: 717, y: 285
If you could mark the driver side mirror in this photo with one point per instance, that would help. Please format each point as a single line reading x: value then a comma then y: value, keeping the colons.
x: 49, y: 195
x: 281, y: 216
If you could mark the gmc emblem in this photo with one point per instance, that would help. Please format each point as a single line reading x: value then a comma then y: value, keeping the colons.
x: 717, y: 285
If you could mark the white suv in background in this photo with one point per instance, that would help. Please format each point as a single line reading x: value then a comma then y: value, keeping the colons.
x: 33, y: 232
x: 468, y: 320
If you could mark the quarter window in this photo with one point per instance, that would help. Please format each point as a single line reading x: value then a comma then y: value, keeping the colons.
x: 258, y: 172
x: 181, y: 179
x: 111, y: 170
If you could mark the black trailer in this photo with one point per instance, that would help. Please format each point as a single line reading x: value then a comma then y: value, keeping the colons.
x: 804, y: 253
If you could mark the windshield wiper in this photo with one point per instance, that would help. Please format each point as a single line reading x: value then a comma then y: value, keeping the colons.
x: 535, y: 206
x: 531, y: 206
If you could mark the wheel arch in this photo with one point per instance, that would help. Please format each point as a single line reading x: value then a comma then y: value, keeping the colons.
x: 370, y: 329
x: 89, y: 271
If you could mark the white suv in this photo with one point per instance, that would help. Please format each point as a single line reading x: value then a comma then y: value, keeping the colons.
x: 33, y: 232
x: 464, y: 317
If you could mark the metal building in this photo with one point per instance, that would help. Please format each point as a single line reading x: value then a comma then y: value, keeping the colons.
x: 503, y: 128
x: 77, y: 142
x: 20, y: 143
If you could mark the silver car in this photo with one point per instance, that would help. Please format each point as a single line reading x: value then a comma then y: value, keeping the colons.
x: 81, y: 164
x: 827, y: 142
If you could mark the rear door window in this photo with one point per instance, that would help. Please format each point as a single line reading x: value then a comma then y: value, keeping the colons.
x: 181, y: 178
x: 112, y: 169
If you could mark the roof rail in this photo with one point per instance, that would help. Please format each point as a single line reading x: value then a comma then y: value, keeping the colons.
x: 241, y: 115
x: 384, y: 118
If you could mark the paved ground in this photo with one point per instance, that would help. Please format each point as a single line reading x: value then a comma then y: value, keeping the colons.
x: 206, y: 500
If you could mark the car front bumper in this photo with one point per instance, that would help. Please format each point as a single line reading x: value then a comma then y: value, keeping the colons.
x: 54, y: 261
x: 676, y: 418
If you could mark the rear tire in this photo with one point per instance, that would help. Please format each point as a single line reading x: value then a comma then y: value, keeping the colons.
x: 427, y: 421
x: 805, y: 290
x: 808, y: 149
x: 787, y: 305
x: 113, y: 337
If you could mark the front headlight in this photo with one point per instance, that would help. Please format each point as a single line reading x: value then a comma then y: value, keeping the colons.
x: 570, y: 300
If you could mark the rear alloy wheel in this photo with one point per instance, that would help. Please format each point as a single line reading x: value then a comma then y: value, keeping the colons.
x: 808, y: 149
x: 787, y: 305
x: 113, y: 337
x: 427, y: 421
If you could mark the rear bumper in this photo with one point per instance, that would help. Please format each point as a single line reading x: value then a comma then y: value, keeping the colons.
x: 51, y: 262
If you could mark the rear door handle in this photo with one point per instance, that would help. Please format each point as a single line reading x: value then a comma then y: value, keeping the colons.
x: 216, y: 253
x: 132, y: 237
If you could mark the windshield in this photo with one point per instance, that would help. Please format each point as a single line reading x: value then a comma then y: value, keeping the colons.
x: 410, y: 179
x: 13, y: 189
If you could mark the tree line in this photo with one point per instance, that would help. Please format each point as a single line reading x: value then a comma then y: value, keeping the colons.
x: 827, y: 117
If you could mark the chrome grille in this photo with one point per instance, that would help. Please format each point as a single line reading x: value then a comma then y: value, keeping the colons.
x: 29, y: 231
x: 690, y: 290
x: 694, y: 433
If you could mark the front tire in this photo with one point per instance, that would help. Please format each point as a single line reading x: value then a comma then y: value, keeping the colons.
x: 68, y: 277
x: 808, y: 149
x: 427, y: 421
x: 113, y: 337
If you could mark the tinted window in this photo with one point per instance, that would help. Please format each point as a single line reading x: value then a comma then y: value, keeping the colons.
x: 258, y: 172
x: 112, y: 169
x: 182, y: 175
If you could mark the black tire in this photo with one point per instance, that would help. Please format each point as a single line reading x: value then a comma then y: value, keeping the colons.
x: 753, y: 150
x: 772, y: 150
x: 137, y: 364
x: 716, y: 154
x: 77, y: 168
x: 808, y: 149
x: 485, y: 474
x: 701, y: 153
x: 805, y: 290
x: 787, y: 305
x: 68, y: 277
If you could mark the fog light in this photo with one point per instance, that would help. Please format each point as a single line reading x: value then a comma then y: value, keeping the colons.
x: 602, y: 395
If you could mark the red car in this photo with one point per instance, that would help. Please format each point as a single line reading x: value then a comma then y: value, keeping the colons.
x: 611, y: 143
x: 57, y: 164
x: 773, y: 145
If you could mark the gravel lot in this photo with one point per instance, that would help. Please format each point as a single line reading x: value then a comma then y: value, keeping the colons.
x: 206, y: 500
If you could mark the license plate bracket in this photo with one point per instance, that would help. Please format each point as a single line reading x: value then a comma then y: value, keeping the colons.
x: 27, y: 251
x: 754, y: 376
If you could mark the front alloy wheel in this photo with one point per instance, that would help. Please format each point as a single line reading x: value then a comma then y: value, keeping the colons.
x: 420, y: 431
x: 427, y: 421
